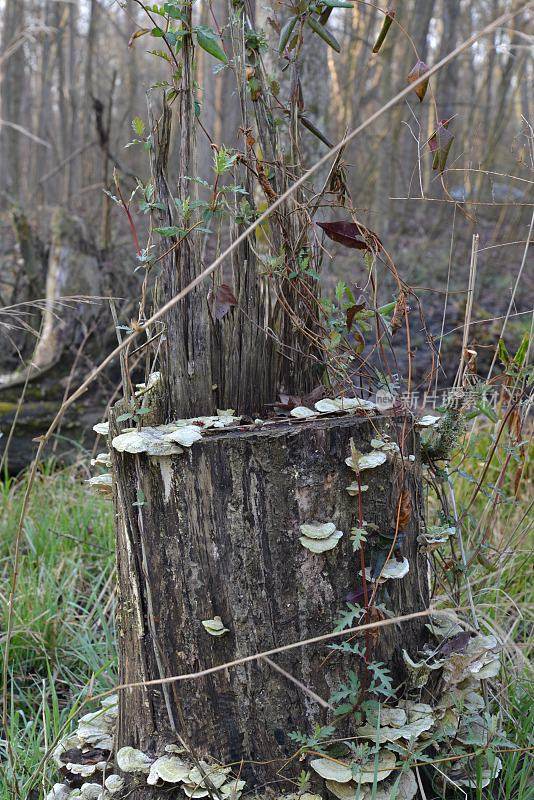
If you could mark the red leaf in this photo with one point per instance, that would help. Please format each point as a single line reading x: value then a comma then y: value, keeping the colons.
x: 352, y: 235
x: 419, y: 69
x: 223, y: 301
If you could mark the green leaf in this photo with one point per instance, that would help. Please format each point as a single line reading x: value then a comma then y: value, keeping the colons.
x: 386, y: 25
x: 358, y: 536
x: 504, y: 355
x: 174, y: 12
x: 285, y: 33
x: 344, y: 708
x: 223, y: 160
x: 124, y: 417
x: 324, y: 33
x: 172, y: 230
x: 208, y: 40
x: 487, y: 410
x: 347, y: 618
x: 519, y: 357
x: 138, y: 125
x: 336, y: 4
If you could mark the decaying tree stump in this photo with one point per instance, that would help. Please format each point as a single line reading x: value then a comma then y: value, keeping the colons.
x: 215, y: 531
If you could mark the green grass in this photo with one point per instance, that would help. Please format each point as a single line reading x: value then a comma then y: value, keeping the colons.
x: 502, y: 587
x: 63, y: 613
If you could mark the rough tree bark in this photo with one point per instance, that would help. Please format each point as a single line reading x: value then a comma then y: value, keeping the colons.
x: 219, y: 535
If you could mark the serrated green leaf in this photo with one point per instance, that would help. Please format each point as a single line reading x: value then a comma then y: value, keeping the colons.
x: 357, y: 536
x: 138, y: 125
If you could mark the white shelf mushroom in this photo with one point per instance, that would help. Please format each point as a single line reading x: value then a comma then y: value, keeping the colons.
x: 131, y: 760
x: 169, y: 769
x: 319, y: 537
x: 215, y: 626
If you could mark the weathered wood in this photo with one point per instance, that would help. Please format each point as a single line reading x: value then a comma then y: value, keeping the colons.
x: 218, y: 534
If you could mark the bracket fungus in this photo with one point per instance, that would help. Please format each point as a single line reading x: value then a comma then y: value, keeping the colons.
x: 169, y: 769
x: 427, y: 421
x: 114, y: 784
x: 102, y: 483
x: 435, y: 535
x: 131, y: 760
x: 102, y: 460
x: 375, y: 769
x: 102, y: 428
x: 302, y: 412
x: 391, y: 569
x: 78, y: 754
x: 186, y: 436
x: 419, y: 671
x: 345, y: 791
x: 319, y: 537
x: 153, y: 380
x: 165, y: 440
x: 345, y: 778
x: 215, y: 626
x: 332, y: 770
x: 334, y: 406
x: 385, y: 445
x: 355, y: 488
x: 59, y: 791
x: 146, y: 440
x: 408, y: 721
x: 368, y: 461
x: 89, y: 791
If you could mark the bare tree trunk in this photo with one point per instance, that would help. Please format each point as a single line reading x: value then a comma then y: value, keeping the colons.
x: 40, y: 157
x: 12, y: 79
x: 447, y: 83
x: 72, y: 96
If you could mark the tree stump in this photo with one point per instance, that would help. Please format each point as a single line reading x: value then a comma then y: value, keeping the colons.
x: 215, y: 532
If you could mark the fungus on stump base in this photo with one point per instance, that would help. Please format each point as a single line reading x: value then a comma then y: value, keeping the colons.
x: 218, y: 535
